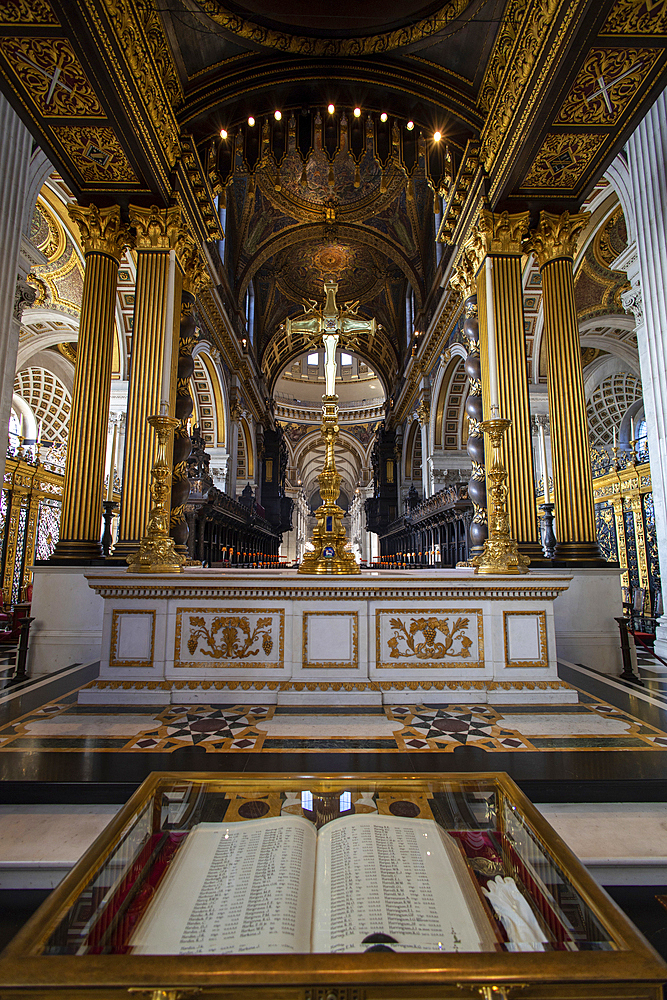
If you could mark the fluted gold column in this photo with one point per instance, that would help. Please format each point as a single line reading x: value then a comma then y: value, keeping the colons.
x: 194, y: 279
x: 157, y: 231
x: 104, y: 239
x: 554, y: 243
x: 499, y: 237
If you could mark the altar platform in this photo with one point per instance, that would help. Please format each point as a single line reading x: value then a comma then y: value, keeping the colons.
x: 276, y: 637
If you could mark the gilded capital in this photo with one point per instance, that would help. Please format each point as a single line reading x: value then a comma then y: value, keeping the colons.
x: 101, y: 229
x: 556, y: 235
x: 423, y: 412
x: 195, y: 274
x: 156, y: 228
x: 501, y: 232
x: 463, y: 278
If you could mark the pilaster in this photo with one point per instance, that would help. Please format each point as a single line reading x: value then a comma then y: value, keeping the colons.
x: 554, y: 243
x: 104, y: 238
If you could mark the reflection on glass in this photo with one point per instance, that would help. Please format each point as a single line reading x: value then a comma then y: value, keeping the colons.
x: 208, y: 868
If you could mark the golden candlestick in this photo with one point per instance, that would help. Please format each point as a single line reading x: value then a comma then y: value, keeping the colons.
x: 156, y: 553
x: 329, y: 554
x: 501, y: 552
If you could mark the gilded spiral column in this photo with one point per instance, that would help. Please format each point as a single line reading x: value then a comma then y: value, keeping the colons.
x: 554, y: 243
x: 157, y: 230
x: 499, y: 239
x: 195, y: 278
x: 463, y: 280
x: 104, y: 239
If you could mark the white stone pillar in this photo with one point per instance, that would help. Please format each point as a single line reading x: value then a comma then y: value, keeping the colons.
x: 15, y: 148
x: 647, y: 161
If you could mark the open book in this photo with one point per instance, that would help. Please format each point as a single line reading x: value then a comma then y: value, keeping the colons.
x: 277, y: 885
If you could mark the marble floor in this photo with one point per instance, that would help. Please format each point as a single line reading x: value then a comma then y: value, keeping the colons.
x: 65, y: 726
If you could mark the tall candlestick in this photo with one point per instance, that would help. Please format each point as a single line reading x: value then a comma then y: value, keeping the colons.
x: 20, y: 434
x: 112, y: 463
x: 614, y: 444
x: 632, y: 430
x: 492, y: 354
x: 165, y: 387
x: 543, y: 458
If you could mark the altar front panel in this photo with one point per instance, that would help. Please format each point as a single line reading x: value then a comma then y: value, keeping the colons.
x: 378, y: 638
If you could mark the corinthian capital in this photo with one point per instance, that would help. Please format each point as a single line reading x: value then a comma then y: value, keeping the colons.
x: 463, y: 278
x: 195, y: 274
x: 556, y: 236
x: 501, y: 232
x: 101, y: 229
x: 156, y: 228
x: 633, y: 302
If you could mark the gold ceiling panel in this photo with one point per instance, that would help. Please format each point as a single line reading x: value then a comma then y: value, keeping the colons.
x: 52, y: 77
x: 96, y: 153
x: 32, y: 12
x: 563, y: 159
x: 606, y: 83
x: 637, y: 17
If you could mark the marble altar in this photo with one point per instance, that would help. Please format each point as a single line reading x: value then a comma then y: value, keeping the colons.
x: 280, y: 638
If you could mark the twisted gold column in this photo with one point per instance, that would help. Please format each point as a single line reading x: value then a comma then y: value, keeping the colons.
x: 554, y: 243
x: 104, y: 240
x: 157, y: 231
x: 500, y: 237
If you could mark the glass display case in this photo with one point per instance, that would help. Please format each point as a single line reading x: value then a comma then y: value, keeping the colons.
x: 330, y: 888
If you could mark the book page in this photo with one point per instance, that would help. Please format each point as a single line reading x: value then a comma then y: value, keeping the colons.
x: 235, y: 888
x: 396, y: 877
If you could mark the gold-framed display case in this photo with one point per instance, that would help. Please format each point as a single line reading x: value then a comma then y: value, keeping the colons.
x: 201, y: 884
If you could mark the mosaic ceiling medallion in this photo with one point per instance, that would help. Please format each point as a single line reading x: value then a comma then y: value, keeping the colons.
x: 305, y: 267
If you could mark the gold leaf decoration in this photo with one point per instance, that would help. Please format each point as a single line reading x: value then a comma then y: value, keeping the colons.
x: 562, y: 160
x: 637, y: 17
x: 605, y: 85
x: 52, y: 76
x: 96, y: 153
x: 33, y: 12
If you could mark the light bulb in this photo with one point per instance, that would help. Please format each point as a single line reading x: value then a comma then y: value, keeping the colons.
x: 277, y: 115
x: 251, y: 121
x: 410, y: 126
x: 436, y: 137
x: 383, y: 116
x: 357, y: 112
x: 331, y: 109
x: 223, y: 133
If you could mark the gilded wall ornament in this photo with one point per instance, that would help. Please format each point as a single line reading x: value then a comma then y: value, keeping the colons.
x: 453, y: 641
x: 562, y: 160
x: 463, y: 279
x: 96, y: 153
x: 32, y: 12
x: 101, y: 229
x: 637, y: 17
x: 229, y: 638
x: 52, y: 76
x: 605, y: 85
x: 556, y: 235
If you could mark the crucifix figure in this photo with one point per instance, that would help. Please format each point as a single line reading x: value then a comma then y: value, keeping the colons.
x: 330, y: 323
x: 329, y: 554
